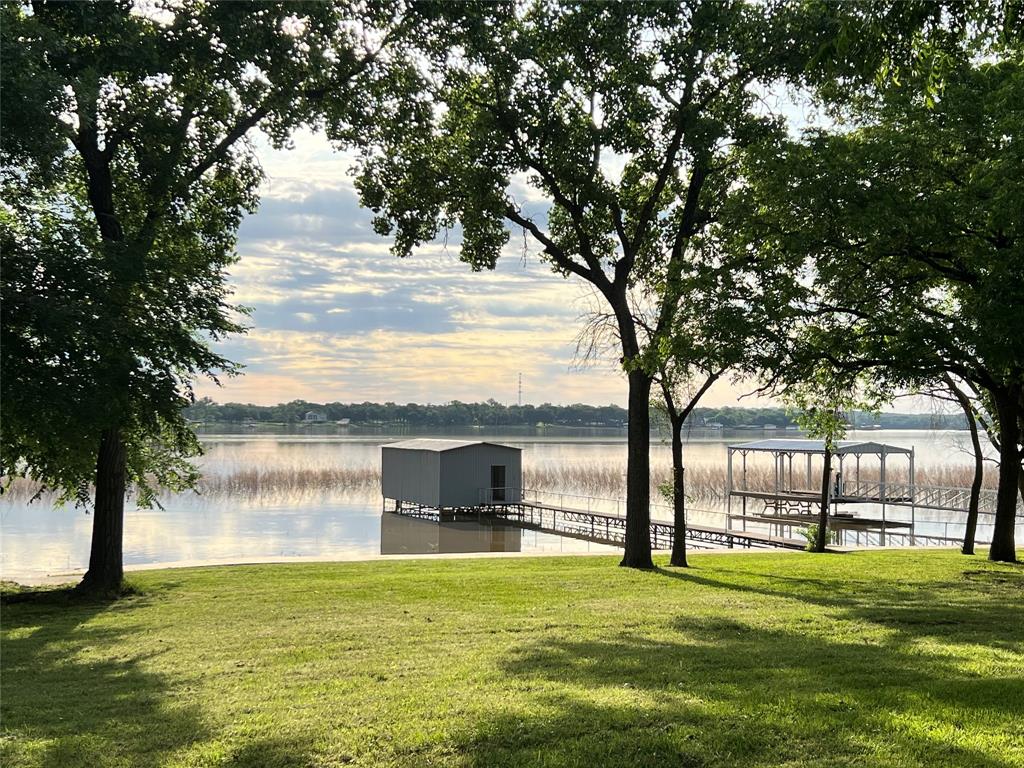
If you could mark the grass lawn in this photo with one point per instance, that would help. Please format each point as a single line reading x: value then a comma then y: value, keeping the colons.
x: 889, y: 658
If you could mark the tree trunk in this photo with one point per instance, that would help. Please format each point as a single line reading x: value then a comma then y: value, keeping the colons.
x: 979, y: 466
x: 979, y: 475
x: 678, y: 497
x: 826, y: 478
x: 637, y: 552
x: 1003, y: 547
x: 106, y: 570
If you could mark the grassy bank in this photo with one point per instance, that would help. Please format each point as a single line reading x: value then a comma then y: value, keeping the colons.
x: 879, y: 659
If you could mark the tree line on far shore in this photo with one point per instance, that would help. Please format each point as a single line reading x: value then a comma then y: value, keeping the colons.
x: 494, y: 414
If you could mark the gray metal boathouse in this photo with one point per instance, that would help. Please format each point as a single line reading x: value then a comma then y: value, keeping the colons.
x: 444, y: 474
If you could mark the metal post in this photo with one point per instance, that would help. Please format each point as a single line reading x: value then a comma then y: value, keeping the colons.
x: 744, y: 488
x: 913, y: 497
x: 728, y: 488
x: 881, y: 495
x: 777, y: 457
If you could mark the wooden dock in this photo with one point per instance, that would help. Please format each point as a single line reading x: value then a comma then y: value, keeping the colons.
x: 610, y: 528
x: 601, y: 527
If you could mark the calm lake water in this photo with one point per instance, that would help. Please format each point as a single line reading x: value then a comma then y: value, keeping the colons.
x: 323, y: 521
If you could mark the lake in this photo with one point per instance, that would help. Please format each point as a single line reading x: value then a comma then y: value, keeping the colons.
x: 314, y: 492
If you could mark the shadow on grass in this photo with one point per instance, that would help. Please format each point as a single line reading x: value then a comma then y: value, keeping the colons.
x: 286, y: 751
x: 64, y: 704
x: 720, y: 692
x: 726, y: 693
x: 572, y: 732
x: 990, y: 613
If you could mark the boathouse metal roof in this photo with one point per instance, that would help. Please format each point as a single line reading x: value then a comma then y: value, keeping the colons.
x: 843, y: 447
x: 438, y: 444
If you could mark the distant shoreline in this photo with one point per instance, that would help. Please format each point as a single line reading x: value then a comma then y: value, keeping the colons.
x: 401, y: 428
x: 382, y: 433
x: 491, y: 414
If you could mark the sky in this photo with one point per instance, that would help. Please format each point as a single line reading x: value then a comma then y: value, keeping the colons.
x: 336, y: 317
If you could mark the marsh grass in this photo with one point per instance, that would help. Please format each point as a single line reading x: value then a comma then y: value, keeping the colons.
x: 705, y: 482
x: 253, y: 482
x: 896, y: 659
x: 602, y: 479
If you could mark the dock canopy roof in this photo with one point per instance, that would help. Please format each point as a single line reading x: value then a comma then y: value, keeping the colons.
x: 843, y: 447
x: 437, y: 444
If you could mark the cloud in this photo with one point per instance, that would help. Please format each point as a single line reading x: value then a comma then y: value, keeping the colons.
x: 335, y: 316
x: 324, y: 215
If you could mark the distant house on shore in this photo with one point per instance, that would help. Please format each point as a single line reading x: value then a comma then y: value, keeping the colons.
x: 314, y: 417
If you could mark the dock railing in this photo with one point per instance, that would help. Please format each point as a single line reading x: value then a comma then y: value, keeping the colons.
x: 950, y: 499
x: 947, y: 498
x: 924, y: 533
x: 604, y: 505
x: 602, y: 519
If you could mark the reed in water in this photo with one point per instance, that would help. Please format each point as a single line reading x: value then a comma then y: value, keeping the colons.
x: 703, y: 482
x: 706, y: 482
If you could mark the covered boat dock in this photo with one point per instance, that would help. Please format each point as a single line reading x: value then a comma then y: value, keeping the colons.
x: 792, y: 494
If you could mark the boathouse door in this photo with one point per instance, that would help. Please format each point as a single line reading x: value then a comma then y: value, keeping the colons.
x: 497, y: 482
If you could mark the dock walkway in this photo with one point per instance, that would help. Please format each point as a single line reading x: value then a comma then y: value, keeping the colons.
x: 611, y: 528
x: 603, y: 527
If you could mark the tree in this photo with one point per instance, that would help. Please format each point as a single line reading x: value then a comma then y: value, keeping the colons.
x: 129, y: 127
x: 914, y: 215
x: 964, y: 401
x: 54, y: 294
x: 730, y: 316
x: 680, y: 392
x: 981, y: 414
x: 950, y: 390
x: 621, y: 118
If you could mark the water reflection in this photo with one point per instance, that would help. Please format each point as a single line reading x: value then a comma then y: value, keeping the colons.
x: 40, y: 540
x: 401, y: 535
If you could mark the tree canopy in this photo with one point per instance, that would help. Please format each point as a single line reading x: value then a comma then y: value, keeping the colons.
x: 127, y: 152
x: 912, y: 211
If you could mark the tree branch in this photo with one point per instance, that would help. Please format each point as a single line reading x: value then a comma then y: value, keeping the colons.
x: 552, y: 249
